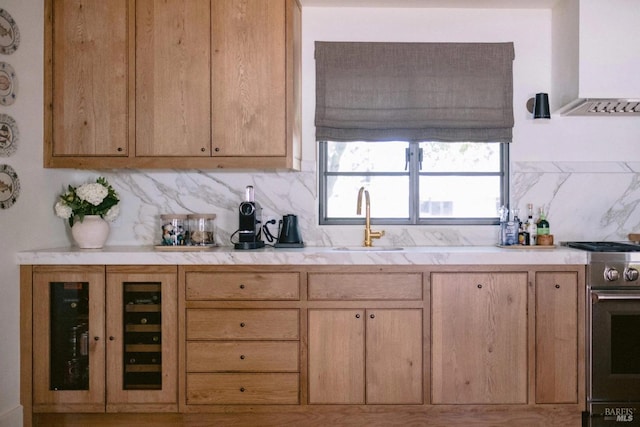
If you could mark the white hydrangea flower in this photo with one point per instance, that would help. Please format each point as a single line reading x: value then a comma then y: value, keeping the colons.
x: 112, y: 213
x: 63, y: 211
x: 93, y: 193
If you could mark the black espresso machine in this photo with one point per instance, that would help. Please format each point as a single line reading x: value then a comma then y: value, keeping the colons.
x: 250, y: 222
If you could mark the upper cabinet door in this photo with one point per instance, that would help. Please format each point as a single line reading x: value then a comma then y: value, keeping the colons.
x: 173, y: 85
x: 249, y: 78
x: 88, y: 80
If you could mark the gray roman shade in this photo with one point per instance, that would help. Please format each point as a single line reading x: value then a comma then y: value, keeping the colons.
x: 367, y: 91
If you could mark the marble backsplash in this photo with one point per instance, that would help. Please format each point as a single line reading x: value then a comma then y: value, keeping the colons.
x: 584, y: 201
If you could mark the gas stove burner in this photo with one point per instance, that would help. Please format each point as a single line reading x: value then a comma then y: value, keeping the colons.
x: 604, y: 246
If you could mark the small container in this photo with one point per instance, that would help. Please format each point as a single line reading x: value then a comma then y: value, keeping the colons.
x: 545, y: 239
x: 201, y: 229
x: 174, y: 229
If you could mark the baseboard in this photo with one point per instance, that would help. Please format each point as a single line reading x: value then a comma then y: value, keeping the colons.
x: 12, y: 418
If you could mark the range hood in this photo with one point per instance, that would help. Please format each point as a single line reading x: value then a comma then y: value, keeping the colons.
x: 602, y: 107
x: 596, y: 58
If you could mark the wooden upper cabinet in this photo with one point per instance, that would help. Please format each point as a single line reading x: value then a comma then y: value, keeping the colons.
x: 248, y: 70
x: 87, y: 76
x: 180, y: 84
x: 173, y: 86
x: 479, y: 338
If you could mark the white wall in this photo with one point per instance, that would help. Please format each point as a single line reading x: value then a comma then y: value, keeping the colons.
x: 565, y: 163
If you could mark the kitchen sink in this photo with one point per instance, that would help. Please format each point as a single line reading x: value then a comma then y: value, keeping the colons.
x: 367, y: 249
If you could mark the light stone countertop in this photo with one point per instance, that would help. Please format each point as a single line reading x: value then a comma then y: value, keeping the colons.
x: 227, y: 255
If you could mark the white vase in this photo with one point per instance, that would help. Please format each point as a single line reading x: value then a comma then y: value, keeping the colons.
x: 91, y: 233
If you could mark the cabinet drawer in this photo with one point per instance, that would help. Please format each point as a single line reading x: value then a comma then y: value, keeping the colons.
x: 365, y: 286
x: 242, y: 356
x: 243, y: 324
x: 242, y: 286
x: 229, y: 389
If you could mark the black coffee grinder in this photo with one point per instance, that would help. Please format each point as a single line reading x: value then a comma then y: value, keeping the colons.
x: 250, y: 222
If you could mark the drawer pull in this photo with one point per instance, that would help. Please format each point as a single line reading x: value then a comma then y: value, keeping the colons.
x: 241, y: 286
x: 373, y: 316
x: 557, y: 286
x: 242, y: 356
x: 357, y: 316
x: 242, y: 325
x: 479, y: 286
x: 241, y: 389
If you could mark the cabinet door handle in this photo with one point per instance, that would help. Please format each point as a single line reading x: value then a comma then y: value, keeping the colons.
x: 373, y: 316
x: 241, y: 286
x: 557, y: 286
x: 479, y: 286
x: 96, y: 338
x: 242, y: 324
x: 242, y: 389
x: 112, y: 338
x: 358, y: 316
x: 242, y: 356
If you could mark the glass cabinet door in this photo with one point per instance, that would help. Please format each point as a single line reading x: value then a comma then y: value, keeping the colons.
x: 68, y: 342
x: 142, y: 336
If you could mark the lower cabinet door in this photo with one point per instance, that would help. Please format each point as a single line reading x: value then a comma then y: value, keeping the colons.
x: 394, y: 356
x: 336, y: 356
x: 365, y: 357
x: 243, y: 388
x: 479, y: 338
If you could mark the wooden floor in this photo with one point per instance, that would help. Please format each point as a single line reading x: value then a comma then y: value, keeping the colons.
x: 333, y: 417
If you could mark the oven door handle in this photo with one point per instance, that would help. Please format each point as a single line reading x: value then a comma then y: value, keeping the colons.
x: 609, y: 296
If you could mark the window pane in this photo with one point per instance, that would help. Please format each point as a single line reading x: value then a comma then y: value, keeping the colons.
x: 366, y: 156
x: 389, y: 196
x: 460, y: 157
x: 459, y: 196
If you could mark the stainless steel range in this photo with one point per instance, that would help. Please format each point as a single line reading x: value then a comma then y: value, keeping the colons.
x: 613, y: 333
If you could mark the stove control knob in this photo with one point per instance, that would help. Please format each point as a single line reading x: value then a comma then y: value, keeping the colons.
x: 631, y: 274
x: 611, y: 274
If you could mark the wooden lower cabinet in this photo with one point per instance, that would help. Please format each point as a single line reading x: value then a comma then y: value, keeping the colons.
x: 557, y: 351
x: 320, y: 345
x: 104, y: 339
x: 359, y: 356
x: 479, y: 338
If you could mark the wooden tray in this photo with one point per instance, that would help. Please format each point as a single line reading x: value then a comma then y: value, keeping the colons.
x: 528, y: 246
x: 184, y: 248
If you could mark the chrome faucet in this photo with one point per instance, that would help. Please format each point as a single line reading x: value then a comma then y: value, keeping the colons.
x: 368, y: 234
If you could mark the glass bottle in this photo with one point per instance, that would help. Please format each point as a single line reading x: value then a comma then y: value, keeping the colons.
x: 543, y: 224
x: 532, y: 228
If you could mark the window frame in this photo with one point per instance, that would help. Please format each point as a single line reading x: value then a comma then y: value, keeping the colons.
x: 414, y: 174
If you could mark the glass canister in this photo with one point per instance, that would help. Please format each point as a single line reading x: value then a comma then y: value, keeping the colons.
x: 201, y: 229
x: 174, y: 229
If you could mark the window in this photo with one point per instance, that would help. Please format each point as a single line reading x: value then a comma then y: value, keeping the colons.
x: 414, y: 183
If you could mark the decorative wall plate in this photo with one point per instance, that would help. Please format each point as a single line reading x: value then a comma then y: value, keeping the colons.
x: 9, y: 34
x: 8, y: 135
x: 9, y: 186
x: 8, y: 84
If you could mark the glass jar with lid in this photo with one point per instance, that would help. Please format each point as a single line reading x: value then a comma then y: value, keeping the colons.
x: 174, y: 229
x: 201, y: 229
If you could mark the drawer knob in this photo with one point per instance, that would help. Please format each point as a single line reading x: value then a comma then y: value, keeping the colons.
x: 241, y: 286
x: 373, y: 316
x: 96, y: 338
x: 242, y: 356
x: 112, y: 338
x: 479, y: 286
x: 557, y: 286
x: 241, y: 389
x: 242, y: 325
x: 357, y: 316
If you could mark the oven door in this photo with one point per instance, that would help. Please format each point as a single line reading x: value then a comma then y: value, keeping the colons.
x: 615, y: 346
